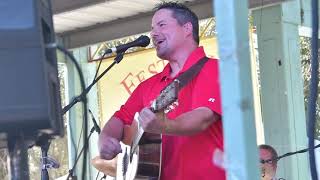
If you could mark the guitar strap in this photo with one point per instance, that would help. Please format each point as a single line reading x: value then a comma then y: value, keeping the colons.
x: 182, y: 80
x: 189, y: 74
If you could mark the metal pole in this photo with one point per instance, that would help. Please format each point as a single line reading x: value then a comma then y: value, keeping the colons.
x: 241, y: 154
x: 18, y: 153
x: 44, y: 162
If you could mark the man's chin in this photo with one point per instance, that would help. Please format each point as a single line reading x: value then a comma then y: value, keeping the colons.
x: 161, y: 55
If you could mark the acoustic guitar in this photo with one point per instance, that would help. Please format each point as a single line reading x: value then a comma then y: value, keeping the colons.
x: 142, y: 158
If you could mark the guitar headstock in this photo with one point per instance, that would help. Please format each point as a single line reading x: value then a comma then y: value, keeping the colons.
x: 167, y: 97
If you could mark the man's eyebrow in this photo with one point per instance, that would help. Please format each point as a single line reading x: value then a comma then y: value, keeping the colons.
x: 161, y: 21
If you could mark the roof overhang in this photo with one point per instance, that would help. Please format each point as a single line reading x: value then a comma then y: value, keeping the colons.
x: 125, y: 26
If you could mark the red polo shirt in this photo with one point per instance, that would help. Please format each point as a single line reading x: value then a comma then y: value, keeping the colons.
x: 185, y: 157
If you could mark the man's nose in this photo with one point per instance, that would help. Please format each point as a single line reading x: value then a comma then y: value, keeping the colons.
x: 153, y: 36
x: 154, y: 32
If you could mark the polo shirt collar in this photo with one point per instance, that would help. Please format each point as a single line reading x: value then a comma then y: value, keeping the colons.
x: 194, y: 57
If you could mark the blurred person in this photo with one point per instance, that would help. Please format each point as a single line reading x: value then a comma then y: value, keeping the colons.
x: 268, y: 162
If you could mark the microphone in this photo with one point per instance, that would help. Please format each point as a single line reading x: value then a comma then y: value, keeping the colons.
x: 142, y: 41
x: 96, y: 126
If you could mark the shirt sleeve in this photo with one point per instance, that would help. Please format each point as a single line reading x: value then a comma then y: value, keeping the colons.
x: 207, y: 88
x: 133, y: 104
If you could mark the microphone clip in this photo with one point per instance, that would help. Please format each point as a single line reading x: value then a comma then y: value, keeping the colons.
x: 95, y: 124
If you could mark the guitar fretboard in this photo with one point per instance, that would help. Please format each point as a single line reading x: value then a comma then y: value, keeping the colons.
x: 138, y: 136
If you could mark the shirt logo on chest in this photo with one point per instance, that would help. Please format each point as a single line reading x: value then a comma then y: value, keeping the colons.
x: 211, y: 99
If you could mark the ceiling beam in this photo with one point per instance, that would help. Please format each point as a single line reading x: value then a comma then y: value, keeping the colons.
x: 124, y: 27
x: 61, y: 6
x: 134, y: 24
x: 262, y: 3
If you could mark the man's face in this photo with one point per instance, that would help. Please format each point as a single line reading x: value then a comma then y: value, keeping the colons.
x: 167, y: 35
x: 268, y: 169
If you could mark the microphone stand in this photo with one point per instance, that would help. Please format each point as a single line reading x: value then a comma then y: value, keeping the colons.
x: 142, y: 41
x: 77, y: 99
x: 44, y: 155
x: 18, y: 157
x: 80, y: 97
x: 96, y: 128
x: 46, y: 162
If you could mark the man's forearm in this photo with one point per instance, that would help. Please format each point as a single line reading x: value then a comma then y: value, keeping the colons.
x: 191, y: 122
x: 113, y: 128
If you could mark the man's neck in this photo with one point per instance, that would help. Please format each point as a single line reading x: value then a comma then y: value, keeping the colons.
x: 177, y: 62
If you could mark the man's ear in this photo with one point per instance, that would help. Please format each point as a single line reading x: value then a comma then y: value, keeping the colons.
x: 188, y: 28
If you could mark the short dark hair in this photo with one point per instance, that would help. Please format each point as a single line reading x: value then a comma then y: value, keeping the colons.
x: 183, y: 15
x: 274, y: 154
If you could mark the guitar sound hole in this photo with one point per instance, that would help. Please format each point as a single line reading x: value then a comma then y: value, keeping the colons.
x: 149, y: 155
x: 148, y: 170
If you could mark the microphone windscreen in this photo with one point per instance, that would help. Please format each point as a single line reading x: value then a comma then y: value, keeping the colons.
x: 143, y: 41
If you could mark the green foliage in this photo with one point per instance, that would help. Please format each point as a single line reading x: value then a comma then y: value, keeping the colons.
x: 3, y: 164
x: 305, y: 54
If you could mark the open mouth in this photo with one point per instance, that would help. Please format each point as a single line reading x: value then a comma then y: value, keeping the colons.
x: 158, y: 42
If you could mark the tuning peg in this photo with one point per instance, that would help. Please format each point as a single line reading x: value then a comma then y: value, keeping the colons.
x: 171, y: 107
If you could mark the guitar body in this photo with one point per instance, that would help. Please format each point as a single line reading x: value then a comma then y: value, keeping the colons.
x: 142, y: 158
x: 142, y: 163
x: 145, y: 163
x: 149, y: 156
x: 127, y: 163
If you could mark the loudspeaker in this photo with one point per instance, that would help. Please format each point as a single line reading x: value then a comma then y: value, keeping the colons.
x: 29, y: 92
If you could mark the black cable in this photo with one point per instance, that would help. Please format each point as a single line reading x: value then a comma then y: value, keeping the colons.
x: 100, y: 61
x: 313, y: 88
x: 83, y: 98
x: 103, y: 177
x: 95, y: 124
x: 97, y: 175
x: 78, y: 144
x: 117, y: 60
x: 73, y: 142
x: 78, y: 157
x: 300, y: 151
x: 287, y: 154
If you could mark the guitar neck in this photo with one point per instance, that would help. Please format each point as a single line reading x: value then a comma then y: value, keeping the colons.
x: 138, y: 136
x: 135, y: 142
